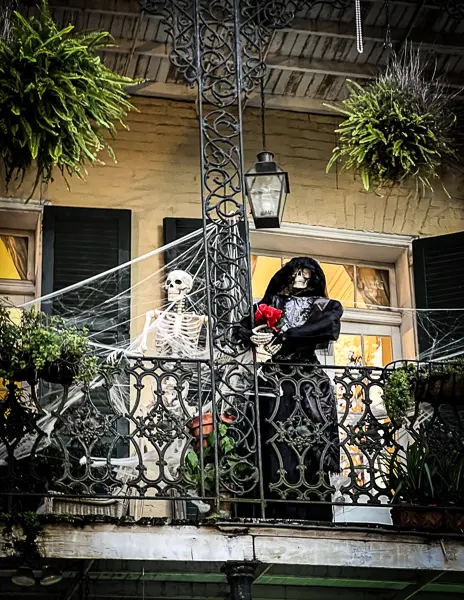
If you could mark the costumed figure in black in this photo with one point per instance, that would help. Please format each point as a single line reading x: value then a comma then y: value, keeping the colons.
x: 298, y: 411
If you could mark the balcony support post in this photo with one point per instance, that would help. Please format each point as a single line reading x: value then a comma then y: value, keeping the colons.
x: 240, y: 577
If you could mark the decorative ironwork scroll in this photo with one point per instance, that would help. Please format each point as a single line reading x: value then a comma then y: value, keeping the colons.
x: 219, y: 46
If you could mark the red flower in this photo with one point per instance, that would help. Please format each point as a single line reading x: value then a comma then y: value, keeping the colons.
x: 268, y: 315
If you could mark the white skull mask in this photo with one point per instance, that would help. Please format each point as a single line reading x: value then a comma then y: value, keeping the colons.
x: 178, y: 285
x: 301, y: 278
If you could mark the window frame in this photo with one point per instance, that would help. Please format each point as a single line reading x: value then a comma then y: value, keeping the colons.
x: 357, y: 264
x: 21, y: 287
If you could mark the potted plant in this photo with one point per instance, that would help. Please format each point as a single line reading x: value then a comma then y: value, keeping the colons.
x: 42, y: 346
x: 15, y: 361
x: 232, y: 467
x: 400, y: 128
x: 204, y: 427
x: 412, y: 383
x: 58, y: 101
x: 427, y: 488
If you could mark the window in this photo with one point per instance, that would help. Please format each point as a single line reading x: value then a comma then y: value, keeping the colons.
x: 361, y: 289
x: 353, y: 285
x: 17, y: 265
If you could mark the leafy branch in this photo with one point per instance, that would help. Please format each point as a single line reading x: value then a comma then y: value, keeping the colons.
x: 58, y: 100
x: 399, y: 128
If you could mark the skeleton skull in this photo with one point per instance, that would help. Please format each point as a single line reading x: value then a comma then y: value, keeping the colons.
x: 178, y: 285
x: 301, y: 278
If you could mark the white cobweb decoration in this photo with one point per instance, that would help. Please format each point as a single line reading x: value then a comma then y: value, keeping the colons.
x: 126, y: 312
x: 130, y: 314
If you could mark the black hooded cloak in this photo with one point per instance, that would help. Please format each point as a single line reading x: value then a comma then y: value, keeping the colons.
x: 298, y: 412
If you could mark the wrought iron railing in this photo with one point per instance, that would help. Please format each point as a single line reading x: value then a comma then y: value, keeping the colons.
x: 315, y: 443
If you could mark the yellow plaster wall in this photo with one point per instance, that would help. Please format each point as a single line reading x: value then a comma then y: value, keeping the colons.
x: 158, y: 175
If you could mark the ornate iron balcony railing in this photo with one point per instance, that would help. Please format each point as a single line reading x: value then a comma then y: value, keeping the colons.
x: 316, y: 444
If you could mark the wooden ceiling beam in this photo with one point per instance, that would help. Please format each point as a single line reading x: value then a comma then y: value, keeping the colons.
x: 344, y: 69
x: 443, y: 43
x: 323, y: 67
x: 175, y: 91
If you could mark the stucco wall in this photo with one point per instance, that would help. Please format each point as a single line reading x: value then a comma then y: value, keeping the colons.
x: 158, y: 175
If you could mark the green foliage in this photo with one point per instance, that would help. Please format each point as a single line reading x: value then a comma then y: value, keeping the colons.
x: 57, y: 99
x: 418, y: 475
x: 399, y: 128
x: 398, y: 395
x: 44, y: 346
x: 401, y: 384
x: 231, y: 466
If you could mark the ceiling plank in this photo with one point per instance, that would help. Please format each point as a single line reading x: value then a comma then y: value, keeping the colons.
x: 345, y: 69
x: 444, y: 43
x: 174, y: 91
x: 324, y: 67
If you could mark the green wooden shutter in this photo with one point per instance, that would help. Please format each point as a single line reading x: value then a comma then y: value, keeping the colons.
x: 79, y: 243
x: 439, y: 284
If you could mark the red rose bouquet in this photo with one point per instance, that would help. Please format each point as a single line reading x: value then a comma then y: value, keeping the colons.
x: 268, y: 315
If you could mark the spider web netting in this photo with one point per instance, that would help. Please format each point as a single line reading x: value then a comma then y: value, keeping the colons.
x: 130, y: 319
x: 151, y: 312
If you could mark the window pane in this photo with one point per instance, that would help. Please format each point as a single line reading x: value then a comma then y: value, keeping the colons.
x: 340, y: 283
x: 373, y: 287
x: 377, y: 350
x: 368, y: 350
x: 262, y: 269
x: 348, y: 350
x: 13, y: 257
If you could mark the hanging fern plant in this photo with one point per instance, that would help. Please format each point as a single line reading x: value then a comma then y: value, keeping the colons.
x: 57, y: 98
x: 398, y: 129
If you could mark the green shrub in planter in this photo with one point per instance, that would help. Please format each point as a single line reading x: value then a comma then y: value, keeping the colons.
x: 42, y: 346
x: 435, y: 383
x: 57, y: 99
x: 399, y: 128
x: 419, y: 476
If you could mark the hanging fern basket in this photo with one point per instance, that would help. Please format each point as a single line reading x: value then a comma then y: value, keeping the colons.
x: 58, y: 101
x: 398, y: 129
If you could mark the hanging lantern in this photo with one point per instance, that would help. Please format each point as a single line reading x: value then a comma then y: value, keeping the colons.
x: 267, y: 188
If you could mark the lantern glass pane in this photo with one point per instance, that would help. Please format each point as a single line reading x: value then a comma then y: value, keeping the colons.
x: 265, y: 192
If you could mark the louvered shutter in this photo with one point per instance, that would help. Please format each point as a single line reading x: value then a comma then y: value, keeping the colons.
x: 79, y: 243
x: 439, y: 284
x: 174, y: 229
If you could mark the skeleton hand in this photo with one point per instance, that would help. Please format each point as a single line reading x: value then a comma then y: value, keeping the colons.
x: 260, y: 338
x: 114, y: 357
x: 273, y: 348
x: 266, y: 339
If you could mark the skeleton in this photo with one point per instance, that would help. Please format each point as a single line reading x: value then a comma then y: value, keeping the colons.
x: 176, y: 332
x: 265, y: 339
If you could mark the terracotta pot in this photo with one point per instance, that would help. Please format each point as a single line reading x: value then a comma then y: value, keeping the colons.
x: 418, y: 518
x: 207, y: 426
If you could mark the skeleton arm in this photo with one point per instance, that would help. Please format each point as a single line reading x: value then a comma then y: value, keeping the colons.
x: 151, y: 314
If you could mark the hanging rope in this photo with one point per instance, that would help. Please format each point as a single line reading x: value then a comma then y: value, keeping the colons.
x: 359, y: 34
